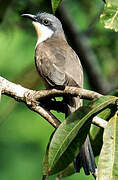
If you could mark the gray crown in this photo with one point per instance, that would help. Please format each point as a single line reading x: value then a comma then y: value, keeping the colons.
x: 55, y: 22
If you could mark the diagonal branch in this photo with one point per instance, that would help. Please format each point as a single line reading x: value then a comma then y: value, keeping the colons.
x: 46, y: 115
x: 20, y: 93
x: 33, y: 99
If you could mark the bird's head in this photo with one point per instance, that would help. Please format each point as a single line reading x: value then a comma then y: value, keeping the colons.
x: 46, y: 25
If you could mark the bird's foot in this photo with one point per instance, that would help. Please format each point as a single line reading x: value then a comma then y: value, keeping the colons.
x: 31, y: 98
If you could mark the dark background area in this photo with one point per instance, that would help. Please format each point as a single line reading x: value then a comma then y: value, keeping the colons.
x: 23, y: 133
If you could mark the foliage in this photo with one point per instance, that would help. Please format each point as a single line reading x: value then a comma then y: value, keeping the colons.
x: 110, y: 15
x: 108, y: 164
x: 55, y: 4
x: 22, y: 136
x: 71, y: 134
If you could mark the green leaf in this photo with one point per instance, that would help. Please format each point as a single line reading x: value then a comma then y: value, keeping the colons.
x: 0, y: 95
x: 71, y: 134
x: 114, y: 93
x: 45, y: 163
x: 108, y: 160
x: 45, y: 160
x: 68, y: 171
x: 96, y: 133
x: 55, y: 4
x: 110, y: 15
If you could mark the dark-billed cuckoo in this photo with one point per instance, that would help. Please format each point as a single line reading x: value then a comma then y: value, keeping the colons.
x: 59, y: 66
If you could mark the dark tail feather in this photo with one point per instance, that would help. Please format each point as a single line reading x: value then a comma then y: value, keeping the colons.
x: 86, y: 159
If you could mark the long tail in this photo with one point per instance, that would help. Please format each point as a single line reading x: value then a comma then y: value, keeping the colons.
x: 85, y: 158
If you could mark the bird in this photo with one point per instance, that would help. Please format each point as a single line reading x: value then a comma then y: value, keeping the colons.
x: 59, y: 66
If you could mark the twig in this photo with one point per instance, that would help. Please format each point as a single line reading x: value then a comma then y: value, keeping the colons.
x: 33, y: 98
x: 46, y: 115
x: 99, y: 122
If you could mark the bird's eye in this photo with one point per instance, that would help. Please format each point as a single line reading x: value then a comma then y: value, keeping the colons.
x: 46, y: 22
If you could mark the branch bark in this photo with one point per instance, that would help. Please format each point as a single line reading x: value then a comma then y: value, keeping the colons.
x: 20, y: 93
x: 34, y: 98
x: 99, y: 122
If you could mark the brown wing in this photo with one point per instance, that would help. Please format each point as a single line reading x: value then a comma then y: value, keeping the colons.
x: 59, y: 66
x: 73, y: 67
x: 51, y: 70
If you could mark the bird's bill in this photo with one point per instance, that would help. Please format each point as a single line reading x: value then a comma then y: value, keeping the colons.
x: 35, y: 23
x: 30, y: 16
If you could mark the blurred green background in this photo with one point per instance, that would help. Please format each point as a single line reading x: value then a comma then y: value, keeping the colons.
x: 24, y: 134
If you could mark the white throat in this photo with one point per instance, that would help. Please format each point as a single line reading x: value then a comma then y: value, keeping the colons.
x: 43, y: 32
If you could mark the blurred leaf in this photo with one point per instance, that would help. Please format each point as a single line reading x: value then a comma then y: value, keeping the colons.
x: 55, y: 4
x: 108, y: 160
x: 0, y: 94
x: 110, y: 15
x: 114, y: 93
x: 3, y: 7
x: 29, y: 78
x: 68, y: 171
x: 24, y: 78
x: 71, y: 134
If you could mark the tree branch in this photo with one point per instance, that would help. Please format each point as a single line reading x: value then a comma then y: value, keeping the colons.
x: 74, y: 91
x: 33, y: 99
x: 20, y: 93
x: 99, y: 122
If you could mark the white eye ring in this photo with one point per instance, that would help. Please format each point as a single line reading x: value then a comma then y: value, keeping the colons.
x: 46, y: 22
